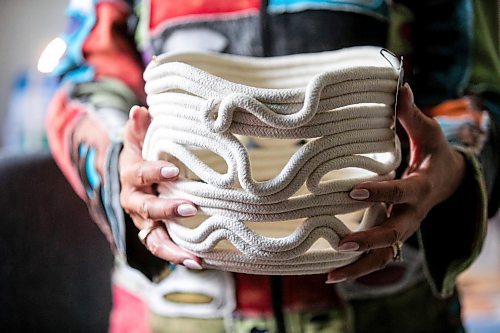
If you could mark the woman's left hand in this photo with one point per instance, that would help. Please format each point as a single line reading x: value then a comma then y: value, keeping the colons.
x: 434, y: 173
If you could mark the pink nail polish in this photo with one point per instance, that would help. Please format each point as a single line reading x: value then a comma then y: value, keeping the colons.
x: 330, y: 281
x: 389, y: 211
x: 169, y: 172
x: 359, y: 194
x: 191, y: 264
x: 336, y: 278
x: 186, y: 210
x: 132, y: 112
x: 348, y: 247
x: 410, y: 92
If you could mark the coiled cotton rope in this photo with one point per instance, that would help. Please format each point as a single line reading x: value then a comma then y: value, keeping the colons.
x: 315, y: 125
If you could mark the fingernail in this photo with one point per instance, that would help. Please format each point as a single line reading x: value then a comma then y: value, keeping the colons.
x: 410, y: 92
x: 191, y: 264
x: 169, y: 171
x: 336, y: 278
x: 133, y: 110
x: 359, y: 194
x: 389, y: 211
x: 348, y: 247
x: 186, y: 210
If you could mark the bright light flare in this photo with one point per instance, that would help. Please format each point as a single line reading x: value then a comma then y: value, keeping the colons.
x: 51, y: 55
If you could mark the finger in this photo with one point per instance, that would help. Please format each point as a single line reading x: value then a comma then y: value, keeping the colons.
x: 408, y: 190
x: 370, y: 262
x: 401, y: 225
x: 151, y: 207
x: 136, y: 128
x: 160, y: 245
x: 146, y: 173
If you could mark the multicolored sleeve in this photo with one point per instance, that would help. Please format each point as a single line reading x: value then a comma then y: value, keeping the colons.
x: 101, y: 74
x: 452, y: 234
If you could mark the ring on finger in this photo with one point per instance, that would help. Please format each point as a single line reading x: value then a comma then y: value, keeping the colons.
x: 397, y: 253
x: 144, y: 233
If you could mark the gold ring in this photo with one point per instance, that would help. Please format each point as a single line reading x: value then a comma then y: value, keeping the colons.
x: 144, y: 233
x: 397, y: 248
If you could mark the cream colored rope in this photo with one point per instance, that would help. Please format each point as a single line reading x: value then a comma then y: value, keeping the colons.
x: 212, y: 114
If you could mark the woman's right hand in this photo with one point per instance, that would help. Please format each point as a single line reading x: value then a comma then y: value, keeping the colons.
x: 139, y: 200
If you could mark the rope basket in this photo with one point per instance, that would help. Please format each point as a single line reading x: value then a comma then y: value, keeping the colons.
x: 269, y: 149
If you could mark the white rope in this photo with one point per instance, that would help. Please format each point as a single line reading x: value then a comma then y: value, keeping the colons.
x: 213, y: 115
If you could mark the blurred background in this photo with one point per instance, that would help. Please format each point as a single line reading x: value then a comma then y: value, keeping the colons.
x: 61, y: 269
x: 26, y: 27
x: 55, y: 265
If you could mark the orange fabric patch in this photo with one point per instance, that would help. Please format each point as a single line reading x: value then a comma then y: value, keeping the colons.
x: 462, y: 107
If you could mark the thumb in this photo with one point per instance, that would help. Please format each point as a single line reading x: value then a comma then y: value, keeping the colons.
x: 138, y: 125
x: 416, y: 124
x: 424, y: 132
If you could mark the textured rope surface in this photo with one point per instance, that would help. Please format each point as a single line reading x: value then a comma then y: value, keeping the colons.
x: 272, y: 139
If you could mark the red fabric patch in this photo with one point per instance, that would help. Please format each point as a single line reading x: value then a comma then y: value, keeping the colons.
x: 301, y: 292
x: 253, y: 295
x: 162, y: 11
x: 61, y: 118
x: 306, y: 292
x: 110, y: 51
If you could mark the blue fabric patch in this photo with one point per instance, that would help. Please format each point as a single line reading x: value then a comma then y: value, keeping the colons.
x: 93, y: 180
x: 92, y: 175
x: 80, y: 24
x: 375, y: 8
x: 82, y: 150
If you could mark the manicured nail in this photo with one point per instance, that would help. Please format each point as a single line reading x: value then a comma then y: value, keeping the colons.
x: 410, y: 92
x: 389, y: 211
x: 186, y: 210
x: 359, y: 194
x: 348, y: 247
x: 133, y: 110
x: 169, y: 171
x: 191, y: 264
x: 336, y: 278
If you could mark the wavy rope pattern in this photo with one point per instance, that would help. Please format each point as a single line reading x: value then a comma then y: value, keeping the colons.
x: 341, y: 103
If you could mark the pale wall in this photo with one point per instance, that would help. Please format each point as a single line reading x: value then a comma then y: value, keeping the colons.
x: 26, y: 26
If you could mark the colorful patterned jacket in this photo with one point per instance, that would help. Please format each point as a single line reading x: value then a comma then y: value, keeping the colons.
x: 109, y: 43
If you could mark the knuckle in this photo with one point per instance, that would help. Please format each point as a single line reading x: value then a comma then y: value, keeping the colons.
x: 169, y: 210
x: 125, y: 200
x: 124, y: 173
x: 140, y: 175
x: 154, y: 249
x: 395, y: 235
x: 368, y: 244
x: 145, y: 210
x: 397, y: 193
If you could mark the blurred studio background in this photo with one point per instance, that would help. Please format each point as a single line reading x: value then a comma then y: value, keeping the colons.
x: 54, y: 264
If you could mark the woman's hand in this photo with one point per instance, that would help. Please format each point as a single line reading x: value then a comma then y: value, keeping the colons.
x: 434, y: 173
x: 138, y: 198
